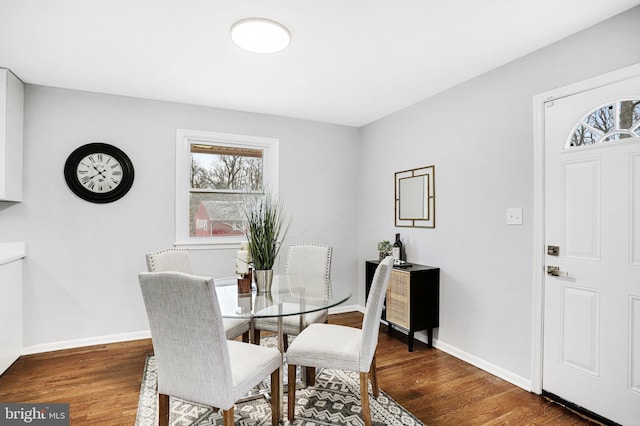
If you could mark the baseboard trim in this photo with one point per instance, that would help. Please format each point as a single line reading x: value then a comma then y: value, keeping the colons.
x: 91, y: 341
x: 482, y: 364
x: 490, y: 368
x: 345, y: 309
x: 125, y: 337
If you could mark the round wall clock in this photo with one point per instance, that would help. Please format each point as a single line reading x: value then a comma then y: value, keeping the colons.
x: 99, y: 172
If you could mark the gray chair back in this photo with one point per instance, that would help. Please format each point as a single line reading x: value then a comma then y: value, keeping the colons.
x: 309, y: 259
x: 173, y: 259
x: 372, y: 312
x: 179, y: 260
x: 188, y: 336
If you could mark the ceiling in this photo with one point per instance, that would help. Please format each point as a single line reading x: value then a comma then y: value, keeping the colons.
x: 350, y: 61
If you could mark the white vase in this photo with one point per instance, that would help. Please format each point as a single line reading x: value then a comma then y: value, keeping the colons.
x: 264, y: 278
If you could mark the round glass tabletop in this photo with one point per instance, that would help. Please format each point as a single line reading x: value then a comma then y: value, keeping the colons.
x: 289, y: 295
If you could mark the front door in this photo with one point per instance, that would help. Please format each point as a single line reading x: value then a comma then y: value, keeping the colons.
x: 592, y: 215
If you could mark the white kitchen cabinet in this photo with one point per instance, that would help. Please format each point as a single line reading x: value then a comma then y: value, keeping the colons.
x: 11, y: 121
x: 11, y: 325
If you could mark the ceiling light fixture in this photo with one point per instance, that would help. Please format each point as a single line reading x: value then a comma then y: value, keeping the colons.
x: 260, y: 35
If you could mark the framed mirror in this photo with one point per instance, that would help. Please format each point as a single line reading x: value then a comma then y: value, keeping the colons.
x: 415, y: 198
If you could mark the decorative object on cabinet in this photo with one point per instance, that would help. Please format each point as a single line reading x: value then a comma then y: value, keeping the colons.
x: 413, y: 298
x: 11, y: 124
x: 398, y: 252
x: 99, y: 172
x: 415, y: 198
x: 384, y: 249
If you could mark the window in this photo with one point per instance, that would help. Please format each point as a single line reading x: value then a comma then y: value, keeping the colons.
x: 611, y: 122
x: 214, y: 172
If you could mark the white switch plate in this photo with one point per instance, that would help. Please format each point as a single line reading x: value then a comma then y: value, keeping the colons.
x: 514, y: 216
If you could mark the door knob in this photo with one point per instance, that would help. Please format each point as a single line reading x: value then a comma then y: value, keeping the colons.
x: 556, y: 272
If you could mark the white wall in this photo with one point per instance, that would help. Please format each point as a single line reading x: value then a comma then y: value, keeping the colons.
x: 80, y: 281
x: 479, y: 137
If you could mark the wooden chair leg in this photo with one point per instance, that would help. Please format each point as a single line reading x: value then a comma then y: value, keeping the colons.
x: 364, y: 398
x: 311, y: 376
x: 245, y: 337
x: 256, y: 337
x: 227, y: 417
x: 285, y: 342
x: 374, y: 377
x: 163, y: 409
x: 291, y: 392
x: 276, y: 381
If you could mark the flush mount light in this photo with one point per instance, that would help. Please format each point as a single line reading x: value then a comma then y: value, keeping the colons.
x: 260, y: 35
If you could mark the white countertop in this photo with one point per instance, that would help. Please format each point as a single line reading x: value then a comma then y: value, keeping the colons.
x: 10, y: 252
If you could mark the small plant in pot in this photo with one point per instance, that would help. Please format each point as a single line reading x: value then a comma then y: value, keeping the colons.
x: 384, y: 249
x: 265, y: 230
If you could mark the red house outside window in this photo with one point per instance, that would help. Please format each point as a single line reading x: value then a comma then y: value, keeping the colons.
x: 221, y: 176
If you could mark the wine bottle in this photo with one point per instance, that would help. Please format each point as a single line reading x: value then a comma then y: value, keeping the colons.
x: 396, y: 251
x: 397, y: 246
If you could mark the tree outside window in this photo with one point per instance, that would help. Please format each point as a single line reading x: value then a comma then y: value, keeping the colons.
x: 220, y: 177
x: 611, y: 122
x: 218, y: 171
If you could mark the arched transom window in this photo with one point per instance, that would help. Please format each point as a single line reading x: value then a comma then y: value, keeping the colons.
x: 610, y: 122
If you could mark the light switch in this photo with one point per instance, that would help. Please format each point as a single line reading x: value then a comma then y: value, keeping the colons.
x: 514, y: 216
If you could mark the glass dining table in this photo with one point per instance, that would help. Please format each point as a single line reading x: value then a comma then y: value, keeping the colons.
x: 289, y: 295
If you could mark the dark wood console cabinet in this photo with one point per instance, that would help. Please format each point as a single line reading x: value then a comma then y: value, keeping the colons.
x: 413, y: 298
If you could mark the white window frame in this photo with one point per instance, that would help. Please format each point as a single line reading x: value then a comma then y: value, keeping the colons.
x: 184, y: 139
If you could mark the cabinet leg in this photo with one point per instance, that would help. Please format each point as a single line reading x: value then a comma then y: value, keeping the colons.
x: 410, y: 341
x: 430, y: 337
x: 388, y: 328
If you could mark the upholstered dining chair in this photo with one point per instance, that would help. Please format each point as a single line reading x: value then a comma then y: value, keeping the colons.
x: 179, y: 260
x: 342, y: 347
x: 309, y: 260
x: 195, y: 361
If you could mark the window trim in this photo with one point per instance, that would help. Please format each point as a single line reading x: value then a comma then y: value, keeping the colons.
x: 184, y: 138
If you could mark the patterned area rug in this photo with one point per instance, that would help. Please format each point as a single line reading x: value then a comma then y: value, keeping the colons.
x: 334, y: 400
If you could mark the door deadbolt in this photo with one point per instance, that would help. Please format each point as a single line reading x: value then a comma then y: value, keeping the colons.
x: 553, y: 250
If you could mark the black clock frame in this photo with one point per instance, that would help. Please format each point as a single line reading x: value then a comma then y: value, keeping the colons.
x: 74, y: 184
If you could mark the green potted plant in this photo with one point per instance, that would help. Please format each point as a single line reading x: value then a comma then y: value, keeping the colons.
x: 265, y: 229
x: 384, y: 249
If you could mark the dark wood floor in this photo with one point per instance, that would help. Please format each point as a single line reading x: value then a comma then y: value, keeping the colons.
x: 102, y: 383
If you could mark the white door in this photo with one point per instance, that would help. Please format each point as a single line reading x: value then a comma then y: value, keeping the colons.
x: 592, y: 214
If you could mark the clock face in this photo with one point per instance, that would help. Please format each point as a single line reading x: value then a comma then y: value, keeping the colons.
x: 99, y: 172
